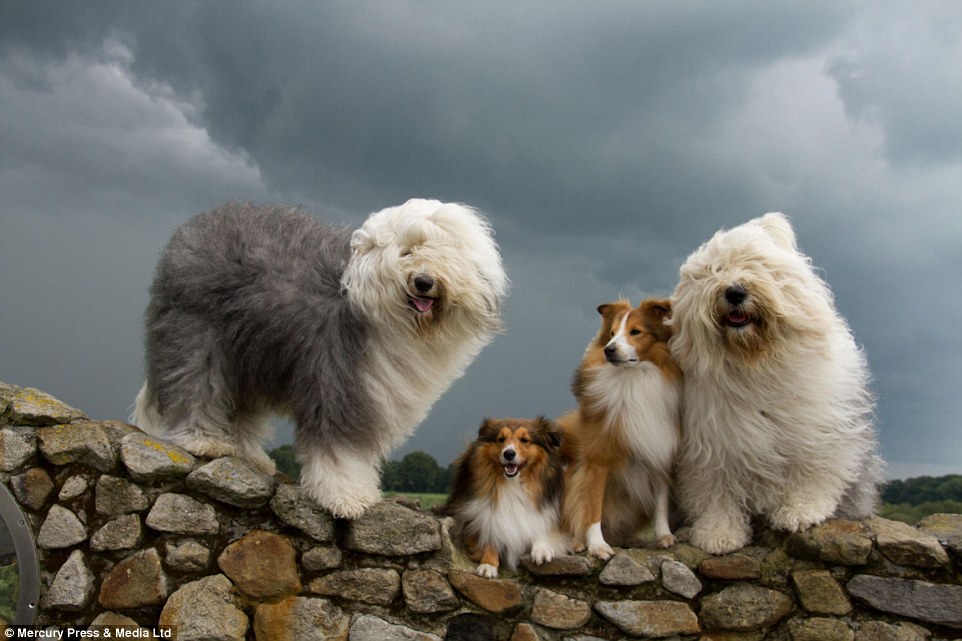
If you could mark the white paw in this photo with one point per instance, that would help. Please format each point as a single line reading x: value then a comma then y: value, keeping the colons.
x: 348, y: 510
x: 601, y: 551
x: 487, y: 570
x: 797, y: 517
x: 665, y: 541
x: 541, y: 553
x: 720, y: 541
x: 261, y: 462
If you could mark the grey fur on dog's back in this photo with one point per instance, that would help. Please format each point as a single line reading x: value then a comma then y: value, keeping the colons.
x: 247, y: 306
x: 353, y: 334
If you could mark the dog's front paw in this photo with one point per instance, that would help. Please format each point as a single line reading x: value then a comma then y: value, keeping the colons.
x: 720, y: 541
x: 487, y: 570
x: 665, y: 541
x: 796, y: 517
x: 343, y: 509
x: 541, y: 553
x: 601, y: 551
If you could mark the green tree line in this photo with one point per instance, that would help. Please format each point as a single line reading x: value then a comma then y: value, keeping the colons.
x: 418, y: 472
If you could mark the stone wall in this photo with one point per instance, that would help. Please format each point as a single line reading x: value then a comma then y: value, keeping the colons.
x: 134, y: 531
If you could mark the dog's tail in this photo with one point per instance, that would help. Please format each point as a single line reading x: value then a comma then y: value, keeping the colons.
x: 145, y: 415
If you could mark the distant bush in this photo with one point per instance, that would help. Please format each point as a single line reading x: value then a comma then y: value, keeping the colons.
x: 286, y: 461
x: 912, y: 514
x: 923, y: 489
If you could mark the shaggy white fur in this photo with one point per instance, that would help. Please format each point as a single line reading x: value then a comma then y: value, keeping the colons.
x: 777, y: 416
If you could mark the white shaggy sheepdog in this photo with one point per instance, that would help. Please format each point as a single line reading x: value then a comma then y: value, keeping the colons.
x: 354, y: 335
x: 777, y: 418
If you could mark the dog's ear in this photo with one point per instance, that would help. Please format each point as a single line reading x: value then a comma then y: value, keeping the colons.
x: 489, y: 429
x: 551, y: 431
x: 656, y: 312
x: 778, y: 227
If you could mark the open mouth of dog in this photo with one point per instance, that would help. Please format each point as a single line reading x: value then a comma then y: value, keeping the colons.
x: 737, y: 318
x: 421, y: 304
x: 512, y: 469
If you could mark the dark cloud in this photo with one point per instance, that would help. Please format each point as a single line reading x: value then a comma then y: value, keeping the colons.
x: 605, y: 141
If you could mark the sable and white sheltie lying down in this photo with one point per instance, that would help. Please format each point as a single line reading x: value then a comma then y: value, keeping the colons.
x: 622, y: 440
x: 506, y: 493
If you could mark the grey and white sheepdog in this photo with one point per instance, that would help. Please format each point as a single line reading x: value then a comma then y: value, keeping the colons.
x: 354, y: 335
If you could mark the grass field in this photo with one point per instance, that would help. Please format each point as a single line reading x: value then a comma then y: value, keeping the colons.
x: 427, y: 500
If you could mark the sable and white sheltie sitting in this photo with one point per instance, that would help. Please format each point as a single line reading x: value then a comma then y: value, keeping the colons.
x: 622, y: 440
x: 506, y: 494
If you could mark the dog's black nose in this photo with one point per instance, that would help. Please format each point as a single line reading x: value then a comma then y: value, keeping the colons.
x: 508, y: 455
x: 610, y: 351
x: 423, y: 283
x: 736, y: 294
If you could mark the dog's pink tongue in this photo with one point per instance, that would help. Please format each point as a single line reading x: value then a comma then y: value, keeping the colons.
x: 737, y: 318
x: 423, y: 304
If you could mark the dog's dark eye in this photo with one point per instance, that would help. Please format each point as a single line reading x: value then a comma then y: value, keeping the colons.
x: 525, y: 441
x: 405, y: 253
x: 500, y: 439
x: 635, y: 332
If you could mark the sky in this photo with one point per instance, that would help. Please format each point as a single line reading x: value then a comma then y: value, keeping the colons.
x: 603, y: 140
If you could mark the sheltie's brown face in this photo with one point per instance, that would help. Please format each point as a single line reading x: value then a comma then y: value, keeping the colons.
x: 512, y: 446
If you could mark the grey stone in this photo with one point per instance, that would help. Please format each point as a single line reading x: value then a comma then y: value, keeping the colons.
x: 300, y: 619
x: 558, y: 611
x: 30, y: 406
x: 835, y: 541
x: 920, y: 600
x: 232, y: 481
x: 17, y: 446
x: 293, y: 506
x: 85, y: 443
x: 73, y: 487
x: 393, y: 530
x: 150, y: 459
x: 72, y: 587
x: 903, y: 544
x: 947, y: 528
x: 377, y: 586
x: 135, y: 582
x: 820, y: 593
x: 115, y: 495
x: 882, y: 631
x: 625, y: 571
x: 744, y: 607
x: 122, y: 533
x: 321, y: 558
x: 677, y: 578
x: 427, y: 591
x: 187, y: 556
x: 650, y: 618
x: 370, y: 628
x: 206, y: 610
x: 563, y: 565
x: 117, y: 623
x: 61, y: 529
x: 180, y: 514
x: 820, y: 629
x: 32, y: 487
x: 7, y: 392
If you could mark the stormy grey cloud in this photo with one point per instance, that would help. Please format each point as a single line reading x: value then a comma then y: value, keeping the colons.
x: 605, y: 141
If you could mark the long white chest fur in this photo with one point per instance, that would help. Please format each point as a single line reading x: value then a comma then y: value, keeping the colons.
x: 643, y: 404
x: 511, y: 522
